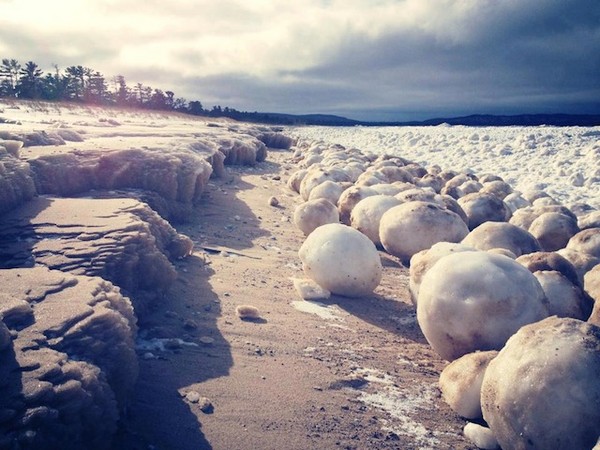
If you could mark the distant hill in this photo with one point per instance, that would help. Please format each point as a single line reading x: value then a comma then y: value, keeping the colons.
x: 479, y: 120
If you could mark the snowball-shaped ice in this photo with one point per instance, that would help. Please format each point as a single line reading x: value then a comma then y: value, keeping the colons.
x: 499, y: 188
x: 295, y: 180
x: 350, y: 198
x: 314, y: 213
x: 329, y: 190
x: 317, y: 175
x: 414, y: 226
x: 460, y: 383
x: 542, y: 390
x: 553, y: 230
x: 589, y: 220
x: 431, y: 181
x: 388, y: 189
x: 564, y: 298
x: 591, y: 283
x: 367, y: 214
x: 586, y: 241
x: 417, y: 194
x: 535, y: 262
x: 491, y: 235
x: 342, y: 260
x: 515, y: 201
x: 472, y: 301
x: 480, y: 207
x: 424, y: 260
x: 581, y: 261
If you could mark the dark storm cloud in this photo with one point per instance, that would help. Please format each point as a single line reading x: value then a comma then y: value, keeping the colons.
x: 392, y: 59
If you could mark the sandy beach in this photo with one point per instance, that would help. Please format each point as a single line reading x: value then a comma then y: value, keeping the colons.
x: 348, y: 373
x: 343, y: 373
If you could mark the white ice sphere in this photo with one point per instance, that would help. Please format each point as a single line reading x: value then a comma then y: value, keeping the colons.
x: 480, y: 207
x: 473, y: 301
x: 586, y: 241
x: 564, y: 298
x: 481, y: 436
x: 350, y: 198
x: 295, y: 180
x: 515, y: 201
x: 366, y: 215
x: 314, y: 213
x: 408, y: 228
x: 329, y: 190
x: 542, y: 390
x: 490, y: 235
x: 317, y: 175
x: 424, y: 260
x: 460, y: 383
x: 342, y: 260
x: 553, y: 230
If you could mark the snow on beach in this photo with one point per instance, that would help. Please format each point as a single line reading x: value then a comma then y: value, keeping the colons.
x: 563, y: 161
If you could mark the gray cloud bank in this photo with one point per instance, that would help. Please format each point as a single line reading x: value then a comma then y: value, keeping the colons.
x: 366, y: 59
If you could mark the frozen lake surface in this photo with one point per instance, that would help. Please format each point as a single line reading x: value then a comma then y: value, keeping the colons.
x: 563, y: 161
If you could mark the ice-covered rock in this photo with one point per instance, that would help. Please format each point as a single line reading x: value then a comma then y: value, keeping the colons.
x: 471, y: 301
x: 491, y: 235
x: 120, y: 240
x: 542, y: 389
x: 314, y: 213
x: 460, y: 383
x: 367, y: 214
x: 408, y: 228
x: 342, y: 260
x: 71, y: 365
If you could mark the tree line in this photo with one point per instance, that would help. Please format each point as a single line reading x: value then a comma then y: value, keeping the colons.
x: 85, y: 85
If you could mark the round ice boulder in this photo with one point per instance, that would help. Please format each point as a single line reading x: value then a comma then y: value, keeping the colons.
x: 329, y: 190
x: 350, y: 198
x: 564, y: 298
x: 472, y: 301
x: 480, y: 207
x: 424, y: 260
x: 542, y: 390
x: 314, y: 213
x: 414, y: 226
x: 586, y: 241
x: 460, y: 383
x: 342, y: 260
x: 491, y: 235
x: 553, y: 230
x: 366, y: 215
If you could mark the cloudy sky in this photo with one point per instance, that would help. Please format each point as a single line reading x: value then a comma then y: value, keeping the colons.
x: 364, y: 59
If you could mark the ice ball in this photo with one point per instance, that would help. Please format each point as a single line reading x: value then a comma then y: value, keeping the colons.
x: 408, y: 228
x: 342, y: 260
x: 542, y: 389
x: 472, y: 301
x: 314, y: 213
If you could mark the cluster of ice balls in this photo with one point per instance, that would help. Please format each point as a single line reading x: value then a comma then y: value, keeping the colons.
x: 487, y: 264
